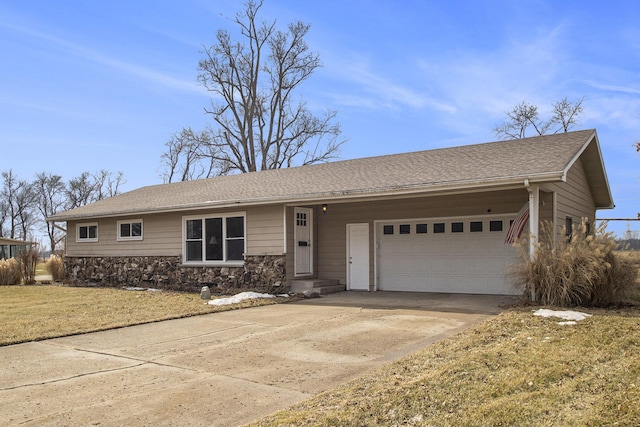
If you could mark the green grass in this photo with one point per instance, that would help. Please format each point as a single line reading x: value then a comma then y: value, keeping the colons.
x: 515, y: 370
x: 29, y: 313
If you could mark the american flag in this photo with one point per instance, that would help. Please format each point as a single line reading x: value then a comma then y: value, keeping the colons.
x: 517, y: 225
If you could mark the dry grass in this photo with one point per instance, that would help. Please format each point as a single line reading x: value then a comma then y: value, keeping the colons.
x: 515, y: 370
x: 10, y: 272
x: 55, y: 267
x: 582, y: 271
x: 29, y: 313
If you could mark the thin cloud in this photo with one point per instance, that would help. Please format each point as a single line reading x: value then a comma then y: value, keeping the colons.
x: 613, y: 88
x: 370, y: 90
x: 145, y: 73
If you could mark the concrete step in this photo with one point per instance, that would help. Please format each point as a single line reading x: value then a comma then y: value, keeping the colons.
x: 322, y: 286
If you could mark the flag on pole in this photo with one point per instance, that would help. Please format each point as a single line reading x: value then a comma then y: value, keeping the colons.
x: 517, y: 225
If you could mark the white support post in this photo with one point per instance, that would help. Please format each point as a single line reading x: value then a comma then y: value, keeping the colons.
x: 534, y: 218
x: 534, y: 222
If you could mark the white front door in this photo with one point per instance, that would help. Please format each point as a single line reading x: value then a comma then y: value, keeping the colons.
x: 358, y: 257
x: 303, y: 240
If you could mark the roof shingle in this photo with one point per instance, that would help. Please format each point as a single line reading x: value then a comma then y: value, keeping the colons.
x: 546, y: 157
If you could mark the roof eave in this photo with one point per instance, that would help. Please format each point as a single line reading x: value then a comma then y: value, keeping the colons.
x: 379, y: 193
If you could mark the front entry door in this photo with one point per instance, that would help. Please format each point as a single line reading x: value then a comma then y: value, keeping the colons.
x: 303, y: 240
x: 358, y: 257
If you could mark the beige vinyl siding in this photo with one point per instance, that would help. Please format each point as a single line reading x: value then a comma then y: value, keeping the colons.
x: 265, y: 230
x: 162, y: 234
x: 331, y: 235
x: 574, y: 197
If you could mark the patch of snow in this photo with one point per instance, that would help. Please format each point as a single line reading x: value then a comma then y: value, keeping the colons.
x: 239, y: 297
x: 135, y: 288
x: 571, y: 316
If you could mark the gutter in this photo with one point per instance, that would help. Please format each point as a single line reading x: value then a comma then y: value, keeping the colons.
x: 330, y: 197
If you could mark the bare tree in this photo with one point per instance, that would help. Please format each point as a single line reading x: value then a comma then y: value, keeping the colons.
x: 18, y: 198
x: 566, y: 113
x: 258, y: 125
x: 4, y: 214
x: 190, y: 156
x: 525, y: 116
x: 106, y: 184
x: 80, y: 191
x: 50, y: 192
x: 88, y: 188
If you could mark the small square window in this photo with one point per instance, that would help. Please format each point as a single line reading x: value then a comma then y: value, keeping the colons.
x: 130, y: 230
x: 475, y: 226
x: 421, y: 228
x: 495, y: 225
x: 87, y: 233
x: 387, y: 229
x: 438, y: 227
x: 405, y: 229
x: 457, y: 227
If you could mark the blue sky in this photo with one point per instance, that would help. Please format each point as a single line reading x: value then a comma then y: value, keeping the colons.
x: 90, y: 85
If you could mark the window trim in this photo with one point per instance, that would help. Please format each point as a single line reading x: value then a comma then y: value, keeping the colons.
x: 223, y: 262
x: 86, y: 239
x: 121, y: 238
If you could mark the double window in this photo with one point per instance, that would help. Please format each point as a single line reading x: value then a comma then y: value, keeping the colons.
x: 130, y: 230
x: 214, y: 239
x: 87, y: 232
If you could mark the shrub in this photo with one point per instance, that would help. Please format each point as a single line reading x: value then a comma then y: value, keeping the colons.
x: 55, y: 267
x: 10, y: 272
x: 28, y: 258
x: 583, y: 270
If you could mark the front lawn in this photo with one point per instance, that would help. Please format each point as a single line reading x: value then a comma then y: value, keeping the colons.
x: 29, y: 313
x: 515, y: 370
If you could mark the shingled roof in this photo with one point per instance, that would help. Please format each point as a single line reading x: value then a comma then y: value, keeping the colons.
x: 539, y: 159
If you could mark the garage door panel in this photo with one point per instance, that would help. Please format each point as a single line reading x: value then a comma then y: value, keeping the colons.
x: 463, y: 262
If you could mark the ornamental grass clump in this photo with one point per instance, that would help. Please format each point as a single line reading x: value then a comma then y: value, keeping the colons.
x: 10, y: 272
x: 55, y: 267
x: 579, y: 269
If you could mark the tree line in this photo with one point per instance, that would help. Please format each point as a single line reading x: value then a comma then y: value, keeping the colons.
x: 25, y: 205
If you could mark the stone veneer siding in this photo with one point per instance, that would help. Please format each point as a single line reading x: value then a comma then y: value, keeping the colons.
x: 259, y: 273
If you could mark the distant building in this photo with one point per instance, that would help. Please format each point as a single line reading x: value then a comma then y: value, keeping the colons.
x: 9, y: 248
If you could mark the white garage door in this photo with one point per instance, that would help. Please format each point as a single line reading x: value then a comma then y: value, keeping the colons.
x: 460, y: 255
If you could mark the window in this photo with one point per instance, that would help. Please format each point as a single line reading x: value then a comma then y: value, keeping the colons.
x: 457, y: 227
x: 495, y: 225
x: 387, y: 229
x: 438, y: 227
x: 405, y: 229
x: 87, y: 232
x: 475, y: 226
x: 216, y: 239
x: 421, y: 228
x: 568, y: 225
x: 130, y: 230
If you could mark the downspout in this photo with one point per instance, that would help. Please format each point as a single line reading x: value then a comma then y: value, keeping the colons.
x: 534, y: 221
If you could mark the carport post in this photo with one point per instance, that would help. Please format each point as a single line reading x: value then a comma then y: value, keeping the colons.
x: 534, y: 221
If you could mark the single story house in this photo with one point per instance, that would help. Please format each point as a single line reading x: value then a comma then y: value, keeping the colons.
x: 9, y: 248
x: 427, y: 221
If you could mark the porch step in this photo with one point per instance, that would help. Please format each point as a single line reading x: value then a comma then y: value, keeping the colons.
x: 323, y: 286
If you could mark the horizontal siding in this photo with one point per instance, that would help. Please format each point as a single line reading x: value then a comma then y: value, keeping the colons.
x: 574, y: 197
x: 265, y: 230
x: 162, y: 234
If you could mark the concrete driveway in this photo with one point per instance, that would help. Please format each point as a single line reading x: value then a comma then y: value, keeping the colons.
x: 224, y: 369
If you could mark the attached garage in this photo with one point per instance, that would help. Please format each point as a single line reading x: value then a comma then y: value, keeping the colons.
x: 457, y: 255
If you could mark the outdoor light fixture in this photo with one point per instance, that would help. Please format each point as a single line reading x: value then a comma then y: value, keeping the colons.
x: 324, y: 208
